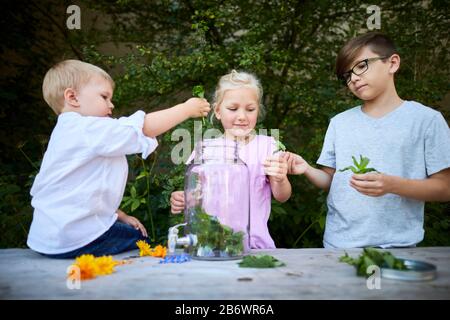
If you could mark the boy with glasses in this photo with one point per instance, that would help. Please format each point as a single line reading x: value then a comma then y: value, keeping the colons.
x: 407, y: 142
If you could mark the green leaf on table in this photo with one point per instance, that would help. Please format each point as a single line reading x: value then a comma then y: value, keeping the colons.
x: 371, y: 256
x: 260, y: 261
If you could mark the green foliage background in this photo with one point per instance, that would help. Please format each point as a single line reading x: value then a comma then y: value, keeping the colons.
x: 158, y: 50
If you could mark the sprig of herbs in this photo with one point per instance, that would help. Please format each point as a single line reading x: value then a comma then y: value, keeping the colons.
x: 215, y: 237
x: 361, y: 167
x: 199, y: 92
x: 280, y: 147
x: 260, y: 261
x: 371, y: 256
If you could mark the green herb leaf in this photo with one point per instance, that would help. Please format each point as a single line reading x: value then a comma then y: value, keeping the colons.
x: 198, y: 91
x: 280, y: 147
x: 364, y: 161
x: 260, y: 261
x: 371, y: 256
x: 355, y: 162
x: 360, y: 168
x: 215, y: 237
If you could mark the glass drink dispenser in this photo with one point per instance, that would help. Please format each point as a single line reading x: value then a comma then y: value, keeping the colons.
x: 217, y: 203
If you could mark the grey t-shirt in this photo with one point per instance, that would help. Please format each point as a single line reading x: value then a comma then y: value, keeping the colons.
x: 412, y: 141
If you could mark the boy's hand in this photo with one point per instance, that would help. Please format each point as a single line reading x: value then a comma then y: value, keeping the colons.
x: 276, y: 166
x: 296, y: 164
x: 177, y: 202
x: 371, y: 184
x: 196, y: 107
x: 132, y: 221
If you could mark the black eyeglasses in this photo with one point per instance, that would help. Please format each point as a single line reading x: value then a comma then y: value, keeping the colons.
x: 358, y: 69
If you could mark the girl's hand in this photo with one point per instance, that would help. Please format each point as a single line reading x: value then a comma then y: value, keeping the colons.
x: 197, y: 107
x: 296, y: 164
x: 177, y: 202
x: 371, y: 184
x: 132, y: 221
x: 276, y: 166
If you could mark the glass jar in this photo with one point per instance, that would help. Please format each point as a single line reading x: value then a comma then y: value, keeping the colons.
x: 217, y: 201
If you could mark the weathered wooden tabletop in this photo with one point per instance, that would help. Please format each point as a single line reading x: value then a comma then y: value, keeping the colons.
x: 308, y: 274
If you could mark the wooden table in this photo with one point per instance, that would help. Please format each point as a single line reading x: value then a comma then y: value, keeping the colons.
x: 308, y: 274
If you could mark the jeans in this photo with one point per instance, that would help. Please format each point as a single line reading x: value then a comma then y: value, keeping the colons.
x: 119, y: 238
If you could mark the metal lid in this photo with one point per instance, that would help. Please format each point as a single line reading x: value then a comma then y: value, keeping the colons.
x: 415, y: 271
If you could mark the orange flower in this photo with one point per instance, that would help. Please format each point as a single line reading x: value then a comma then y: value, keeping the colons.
x: 87, y: 266
x: 159, y: 251
x: 146, y: 250
x: 90, y: 266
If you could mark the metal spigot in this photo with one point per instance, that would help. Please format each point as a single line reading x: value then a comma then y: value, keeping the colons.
x: 174, y: 240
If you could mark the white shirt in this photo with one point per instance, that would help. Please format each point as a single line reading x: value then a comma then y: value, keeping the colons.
x: 82, y: 179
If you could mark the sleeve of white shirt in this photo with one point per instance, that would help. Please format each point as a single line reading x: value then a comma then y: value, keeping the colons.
x: 115, y: 137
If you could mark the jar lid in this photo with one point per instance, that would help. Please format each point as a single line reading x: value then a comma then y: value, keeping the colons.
x: 415, y: 271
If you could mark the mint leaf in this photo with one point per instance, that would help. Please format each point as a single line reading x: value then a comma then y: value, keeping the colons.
x: 372, y: 256
x: 260, y: 261
x: 214, y: 238
x: 199, y: 92
x: 355, y: 162
x: 280, y: 147
x: 360, y: 167
x: 364, y: 161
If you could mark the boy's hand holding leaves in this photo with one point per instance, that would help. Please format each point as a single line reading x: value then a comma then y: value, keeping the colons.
x: 372, y: 184
x: 199, y: 92
x: 196, y: 107
x: 368, y: 181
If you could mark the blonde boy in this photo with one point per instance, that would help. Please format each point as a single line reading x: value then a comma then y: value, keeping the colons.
x: 79, y: 188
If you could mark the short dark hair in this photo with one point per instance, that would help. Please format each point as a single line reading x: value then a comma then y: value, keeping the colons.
x: 376, y: 41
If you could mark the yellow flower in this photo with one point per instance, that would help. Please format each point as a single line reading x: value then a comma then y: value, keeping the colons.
x: 90, y: 266
x: 105, y: 265
x: 144, y: 248
x: 87, y: 266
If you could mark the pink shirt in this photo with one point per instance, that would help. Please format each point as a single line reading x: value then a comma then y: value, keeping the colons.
x: 253, y: 155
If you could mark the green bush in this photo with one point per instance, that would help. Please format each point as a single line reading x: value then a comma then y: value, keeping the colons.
x: 166, y: 48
